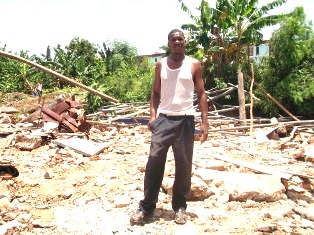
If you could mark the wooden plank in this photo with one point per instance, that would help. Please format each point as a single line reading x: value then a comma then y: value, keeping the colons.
x: 222, y: 94
x: 292, y: 123
x: 227, y: 109
x: 126, y: 116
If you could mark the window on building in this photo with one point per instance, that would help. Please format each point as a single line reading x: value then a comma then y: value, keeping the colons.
x: 257, y: 50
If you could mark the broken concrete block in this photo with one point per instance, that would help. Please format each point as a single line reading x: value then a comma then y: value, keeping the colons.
x: 83, y: 146
x: 27, y: 142
x: 244, y: 186
x: 4, y: 191
x: 199, y: 189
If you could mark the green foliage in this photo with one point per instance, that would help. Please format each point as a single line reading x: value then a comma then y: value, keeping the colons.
x: 290, y: 45
x: 301, y: 88
x: 94, y: 102
x: 16, y: 76
x: 288, y: 74
x: 127, y: 79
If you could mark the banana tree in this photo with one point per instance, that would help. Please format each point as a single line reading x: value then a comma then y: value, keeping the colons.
x: 64, y: 63
x: 223, y: 31
x: 242, y: 20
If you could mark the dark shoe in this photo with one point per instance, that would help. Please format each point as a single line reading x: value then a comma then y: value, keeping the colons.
x: 180, y: 216
x: 137, y: 217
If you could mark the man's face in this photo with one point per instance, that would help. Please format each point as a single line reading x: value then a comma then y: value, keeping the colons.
x: 176, y: 42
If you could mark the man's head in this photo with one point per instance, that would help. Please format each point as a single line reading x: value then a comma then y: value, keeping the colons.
x: 175, y: 31
x: 176, y: 41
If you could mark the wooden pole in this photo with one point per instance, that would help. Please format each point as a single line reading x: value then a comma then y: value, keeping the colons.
x: 241, y: 97
x: 58, y: 75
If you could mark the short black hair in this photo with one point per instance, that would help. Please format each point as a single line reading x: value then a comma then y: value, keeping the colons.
x: 175, y: 31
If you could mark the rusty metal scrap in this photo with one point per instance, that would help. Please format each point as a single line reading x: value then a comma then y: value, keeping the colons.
x: 68, y: 114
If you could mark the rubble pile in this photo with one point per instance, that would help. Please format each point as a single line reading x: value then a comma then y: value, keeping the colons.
x: 63, y: 173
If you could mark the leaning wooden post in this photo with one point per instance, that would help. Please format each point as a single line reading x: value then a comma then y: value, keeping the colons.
x: 58, y: 75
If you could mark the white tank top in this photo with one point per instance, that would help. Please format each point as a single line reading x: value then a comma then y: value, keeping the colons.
x: 177, y: 89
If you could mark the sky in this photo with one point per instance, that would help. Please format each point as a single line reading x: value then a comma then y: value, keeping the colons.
x: 33, y: 25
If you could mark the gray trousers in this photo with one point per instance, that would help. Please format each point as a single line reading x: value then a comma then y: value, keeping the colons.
x: 177, y: 132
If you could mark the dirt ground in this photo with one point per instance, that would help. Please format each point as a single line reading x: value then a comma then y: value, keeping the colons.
x: 59, y: 191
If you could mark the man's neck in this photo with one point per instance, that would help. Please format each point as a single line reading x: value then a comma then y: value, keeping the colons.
x: 177, y: 57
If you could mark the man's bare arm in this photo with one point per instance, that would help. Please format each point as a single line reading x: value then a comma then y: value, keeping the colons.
x: 202, y: 99
x: 155, y: 94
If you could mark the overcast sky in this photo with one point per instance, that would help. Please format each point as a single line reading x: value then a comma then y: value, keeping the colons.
x: 34, y: 24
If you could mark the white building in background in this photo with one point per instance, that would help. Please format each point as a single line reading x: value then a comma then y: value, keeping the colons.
x: 258, y: 52
x: 155, y: 57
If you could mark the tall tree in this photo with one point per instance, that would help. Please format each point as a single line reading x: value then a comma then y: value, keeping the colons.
x: 83, y: 48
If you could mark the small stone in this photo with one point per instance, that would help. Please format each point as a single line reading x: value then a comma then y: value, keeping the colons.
x: 48, y: 175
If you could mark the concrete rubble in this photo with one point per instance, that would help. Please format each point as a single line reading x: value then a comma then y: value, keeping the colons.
x: 242, y: 184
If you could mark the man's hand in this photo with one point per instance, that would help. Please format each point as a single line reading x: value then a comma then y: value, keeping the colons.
x: 204, y: 131
x: 150, y: 123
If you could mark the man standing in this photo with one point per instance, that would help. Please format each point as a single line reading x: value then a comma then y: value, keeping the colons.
x: 172, y: 124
